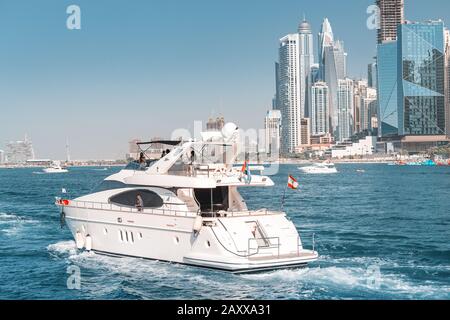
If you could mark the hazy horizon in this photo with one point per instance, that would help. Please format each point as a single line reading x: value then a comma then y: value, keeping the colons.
x: 144, y: 68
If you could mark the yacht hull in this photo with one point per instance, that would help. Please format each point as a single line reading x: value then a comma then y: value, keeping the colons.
x: 172, y: 239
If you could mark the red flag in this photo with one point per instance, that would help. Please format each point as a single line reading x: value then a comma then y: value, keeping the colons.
x: 244, y: 167
x: 292, y: 183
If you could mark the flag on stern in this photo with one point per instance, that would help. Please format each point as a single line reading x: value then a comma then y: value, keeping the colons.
x: 292, y: 183
x: 245, y: 171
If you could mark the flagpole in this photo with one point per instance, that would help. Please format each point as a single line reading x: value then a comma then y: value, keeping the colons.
x: 284, y: 195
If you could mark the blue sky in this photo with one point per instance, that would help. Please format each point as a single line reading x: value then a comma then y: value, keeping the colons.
x: 142, y: 68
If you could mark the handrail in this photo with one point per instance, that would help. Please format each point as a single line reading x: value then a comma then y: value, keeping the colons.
x: 161, y: 211
x: 265, y: 247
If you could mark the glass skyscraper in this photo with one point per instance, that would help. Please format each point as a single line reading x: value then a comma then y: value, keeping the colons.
x: 421, y: 79
x: 387, y: 88
x: 335, y: 69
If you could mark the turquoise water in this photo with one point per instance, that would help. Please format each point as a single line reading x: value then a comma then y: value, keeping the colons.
x: 382, y: 234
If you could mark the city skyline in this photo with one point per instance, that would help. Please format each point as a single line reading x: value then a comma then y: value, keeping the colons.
x: 82, y: 84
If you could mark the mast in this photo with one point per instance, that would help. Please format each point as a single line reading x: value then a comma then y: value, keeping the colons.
x: 67, y: 150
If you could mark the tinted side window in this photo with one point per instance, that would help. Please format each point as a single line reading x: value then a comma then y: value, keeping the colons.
x: 128, y: 199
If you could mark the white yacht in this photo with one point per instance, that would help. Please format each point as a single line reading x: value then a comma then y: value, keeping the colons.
x: 55, y: 167
x: 186, y: 208
x: 320, y: 168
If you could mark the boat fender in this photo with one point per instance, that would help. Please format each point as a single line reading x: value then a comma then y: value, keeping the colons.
x: 79, y: 240
x: 88, y: 243
x: 62, y: 218
x: 198, y: 222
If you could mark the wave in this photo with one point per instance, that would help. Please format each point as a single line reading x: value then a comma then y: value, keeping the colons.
x: 355, y: 282
x: 11, y: 224
x: 144, y: 279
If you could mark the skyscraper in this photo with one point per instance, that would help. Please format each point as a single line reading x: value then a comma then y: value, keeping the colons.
x: 306, y: 52
x: 359, y: 92
x: 387, y: 89
x: 294, y: 78
x: 372, y: 75
x: 272, y: 127
x: 320, y: 109
x: 19, y: 151
x: 335, y: 69
x: 368, y: 109
x: 345, y: 109
x: 421, y: 79
x: 289, y: 92
x: 392, y: 13
x: 276, y: 98
x: 325, y: 39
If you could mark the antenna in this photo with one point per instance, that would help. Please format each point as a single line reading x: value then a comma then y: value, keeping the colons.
x: 67, y: 150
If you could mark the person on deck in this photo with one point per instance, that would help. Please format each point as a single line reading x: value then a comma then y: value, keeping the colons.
x: 142, y: 161
x: 139, y: 203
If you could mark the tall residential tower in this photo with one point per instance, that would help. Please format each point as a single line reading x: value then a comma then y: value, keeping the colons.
x: 296, y: 58
x: 392, y: 13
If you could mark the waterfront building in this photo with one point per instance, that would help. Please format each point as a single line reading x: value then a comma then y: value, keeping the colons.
x: 305, y: 141
x: 421, y: 79
x: 359, y: 92
x: 391, y: 14
x: 289, y: 92
x: 305, y: 128
x: 2, y: 157
x: 294, y: 78
x: 18, y: 152
x: 345, y: 109
x: 215, y: 124
x: 306, y: 51
x: 387, y: 89
x: 272, y: 129
x: 320, y: 109
x: 335, y: 68
x: 361, y: 148
x: 368, y: 111
x: 152, y: 151
x: 325, y: 39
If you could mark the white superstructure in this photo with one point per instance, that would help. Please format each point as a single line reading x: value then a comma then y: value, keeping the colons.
x: 319, y: 168
x: 55, y: 167
x: 186, y: 208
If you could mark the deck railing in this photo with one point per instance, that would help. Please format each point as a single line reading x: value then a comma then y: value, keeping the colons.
x: 162, y: 211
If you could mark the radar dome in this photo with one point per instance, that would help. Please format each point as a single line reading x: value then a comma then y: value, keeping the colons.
x: 228, y: 130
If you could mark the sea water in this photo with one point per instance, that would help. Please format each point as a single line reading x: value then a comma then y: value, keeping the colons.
x: 381, y: 234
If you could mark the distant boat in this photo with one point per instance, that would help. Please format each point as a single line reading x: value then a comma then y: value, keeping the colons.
x: 55, y: 168
x: 361, y: 170
x: 320, y: 168
x: 429, y: 163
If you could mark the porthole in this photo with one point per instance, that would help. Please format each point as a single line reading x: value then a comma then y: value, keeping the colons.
x: 208, y: 244
x: 105, y: 231
x: 176, y: 240
x: 140, y: 235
